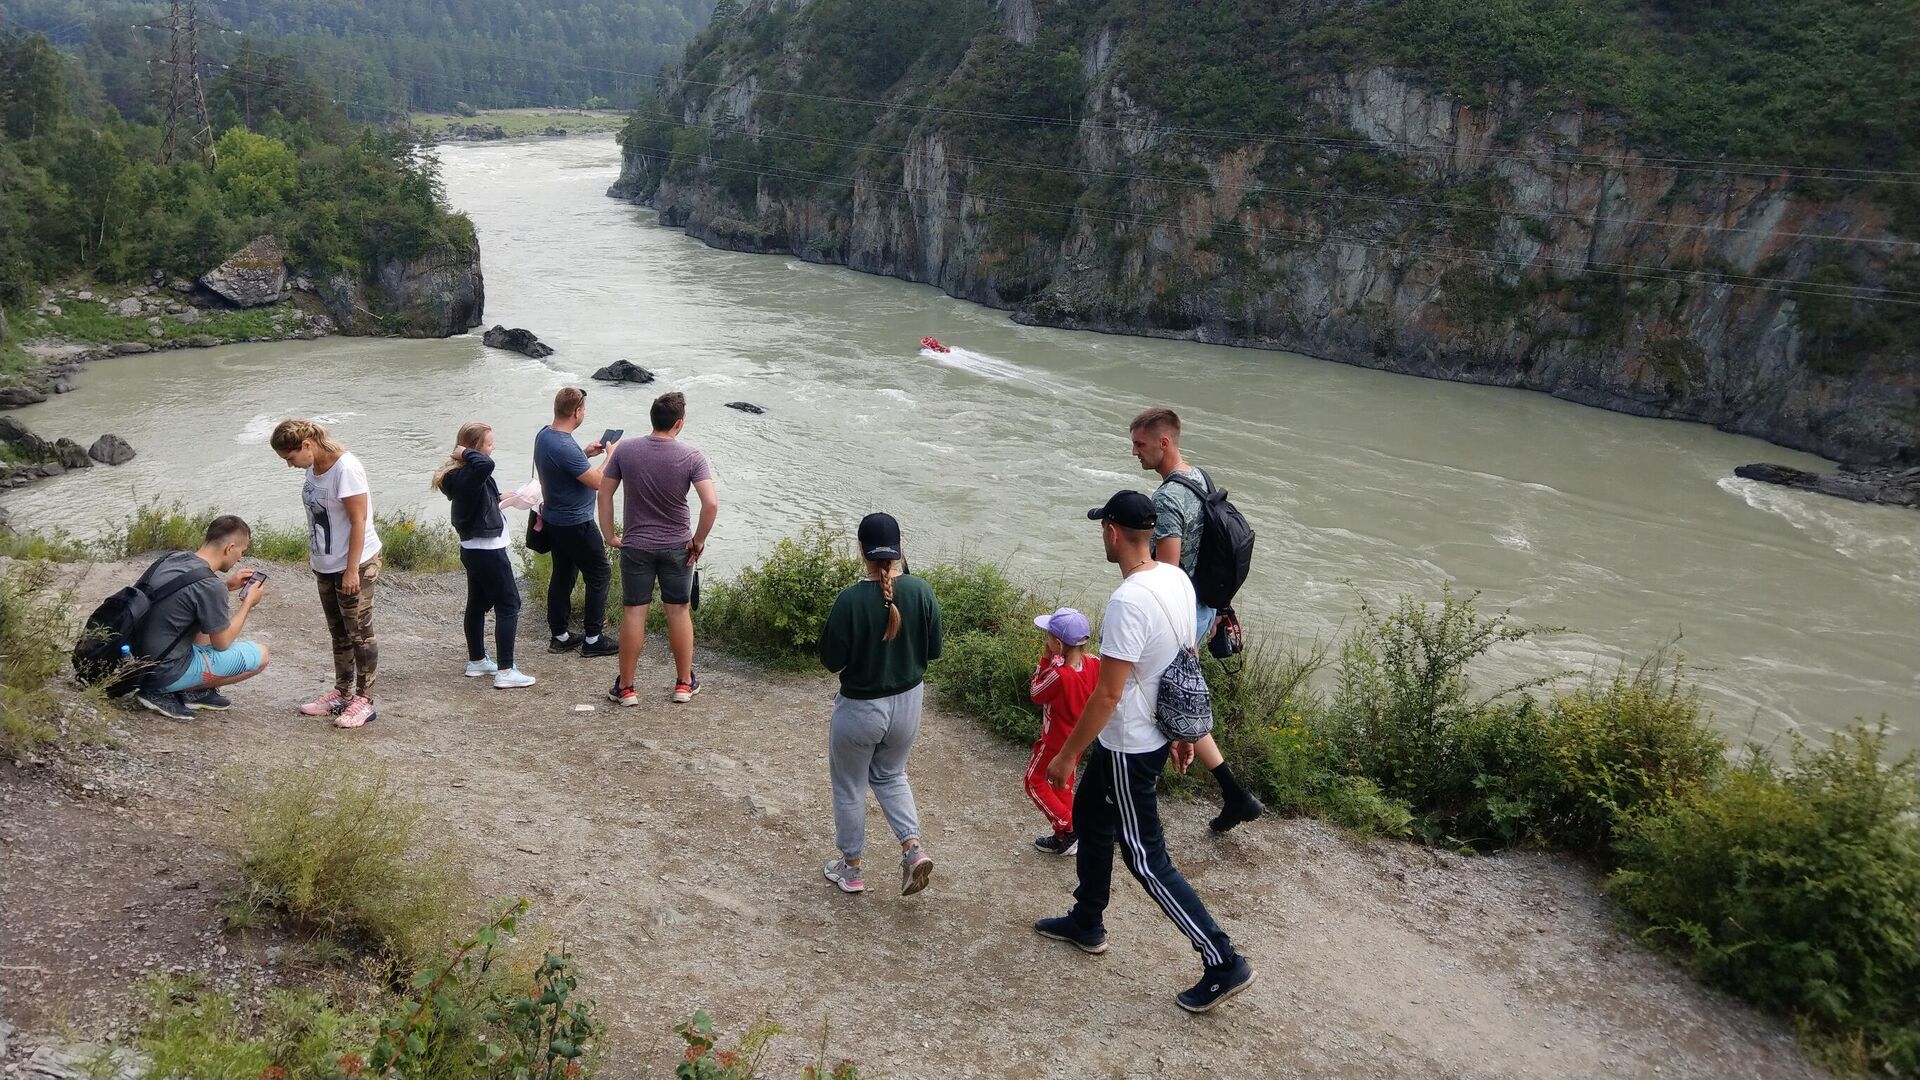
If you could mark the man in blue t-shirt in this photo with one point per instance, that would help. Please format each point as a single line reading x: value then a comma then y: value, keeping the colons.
x: 569, y: 484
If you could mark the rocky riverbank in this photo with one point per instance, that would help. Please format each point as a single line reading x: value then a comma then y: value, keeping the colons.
x: 1345, y: 244
x: 256, y: 294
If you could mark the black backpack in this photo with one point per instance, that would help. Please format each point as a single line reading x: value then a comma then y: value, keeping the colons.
x: 102, y: 656
x: 1226, y: 545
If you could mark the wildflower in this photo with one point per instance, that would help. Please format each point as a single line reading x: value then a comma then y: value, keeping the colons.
x: 728, y: 1058
x: 352, y: 1064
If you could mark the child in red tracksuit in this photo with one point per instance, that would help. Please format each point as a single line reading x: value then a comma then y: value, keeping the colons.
x: 1062, y: 683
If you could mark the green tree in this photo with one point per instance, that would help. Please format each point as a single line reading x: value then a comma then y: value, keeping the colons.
x: 33, y: 85
x: 257, y: 173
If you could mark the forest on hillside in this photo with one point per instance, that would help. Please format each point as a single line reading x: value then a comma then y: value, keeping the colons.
x: 87, y: 189
x: 380, y: 58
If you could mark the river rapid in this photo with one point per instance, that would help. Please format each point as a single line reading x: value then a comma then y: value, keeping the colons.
x: 1792, y: 609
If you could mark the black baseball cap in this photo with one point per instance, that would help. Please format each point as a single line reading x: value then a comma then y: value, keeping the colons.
x: 1127, y: 509
x: 880, y: 537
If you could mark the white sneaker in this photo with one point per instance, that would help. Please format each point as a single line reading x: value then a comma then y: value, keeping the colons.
x: 512, y: 679
x: 483, y: 666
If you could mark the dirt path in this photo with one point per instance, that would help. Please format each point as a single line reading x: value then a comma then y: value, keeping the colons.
x: 676, y: 850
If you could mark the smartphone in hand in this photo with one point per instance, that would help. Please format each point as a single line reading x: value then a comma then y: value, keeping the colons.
x: 258, y: 579
x: 611, y: 436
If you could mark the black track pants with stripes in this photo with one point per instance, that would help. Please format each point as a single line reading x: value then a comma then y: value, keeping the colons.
x: 1117, y: 804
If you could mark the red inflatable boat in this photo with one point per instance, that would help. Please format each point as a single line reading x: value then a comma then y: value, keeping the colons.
x: 934, y: 344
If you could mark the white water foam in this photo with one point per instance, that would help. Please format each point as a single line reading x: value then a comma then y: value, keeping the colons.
x: 900, y: 396
x: 1805, y: 513
x: 989, y: 367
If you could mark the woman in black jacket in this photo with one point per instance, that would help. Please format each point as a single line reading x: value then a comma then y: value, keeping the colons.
x: 467, y: 479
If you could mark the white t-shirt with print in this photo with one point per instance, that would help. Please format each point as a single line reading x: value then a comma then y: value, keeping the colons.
x: 1150, y: 618
x: 328, y: 530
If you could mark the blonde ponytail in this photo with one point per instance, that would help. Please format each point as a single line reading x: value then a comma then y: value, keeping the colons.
x: 291, y: 433
x: 472, y: 434
x: 885, y: 570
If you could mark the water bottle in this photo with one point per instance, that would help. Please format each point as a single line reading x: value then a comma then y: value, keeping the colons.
x: 126, y: 652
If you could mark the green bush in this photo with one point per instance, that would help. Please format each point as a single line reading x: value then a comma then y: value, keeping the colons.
x: 406, y: 543
x: 775, y: 611
x: 340, y: 852
x: 1618, y: 746
x: 56, y: 546
x: 1798, y: 887
x: 35, y: 633
x: 191, y: 1033
x: 976, y: 596
x: 986, y: 676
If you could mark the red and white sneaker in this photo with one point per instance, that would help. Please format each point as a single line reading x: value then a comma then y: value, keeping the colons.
x: 326, y: 704
x: 358, y: 713
x: 623, y: 695
x: 683, y: 691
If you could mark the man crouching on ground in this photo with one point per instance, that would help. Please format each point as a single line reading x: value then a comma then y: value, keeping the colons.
x: 191, y: 637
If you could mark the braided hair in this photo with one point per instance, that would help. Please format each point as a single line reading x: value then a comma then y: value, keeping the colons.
x: 884, y: 568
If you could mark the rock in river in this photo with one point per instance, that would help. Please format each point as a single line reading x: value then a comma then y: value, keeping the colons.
x: 16, y: 434
x: 1894, y: 487
x: 13, y: 397
x: 517, y: 340
x: 251, y: 277
x: 110, y: 450
x: 624, y: 371
x: 70, y: 454
x: 746, y: 407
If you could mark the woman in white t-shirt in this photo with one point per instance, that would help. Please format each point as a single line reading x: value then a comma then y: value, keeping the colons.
x: 345, y: 555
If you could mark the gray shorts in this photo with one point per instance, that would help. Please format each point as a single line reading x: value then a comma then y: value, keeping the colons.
x: 640, y: 567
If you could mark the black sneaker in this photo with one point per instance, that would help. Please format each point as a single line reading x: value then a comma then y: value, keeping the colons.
x: 568, y: 644
x: 607, y: 645
x: 1058, y: 845
x: 1234, y: 813
x: 1065, y: 929
x: 208, y: 700
x: 171, y: 706
x: 1217, y: 986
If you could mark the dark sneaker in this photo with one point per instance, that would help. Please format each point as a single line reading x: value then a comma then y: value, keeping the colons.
x: 1217, y: 986
x: 1236, y: 812
x: 1058, y: 845
x: 607, y: 645
x: 567, y: 644
x: 208, y: 700
x: 171, y: 706
x: 1065, y: 929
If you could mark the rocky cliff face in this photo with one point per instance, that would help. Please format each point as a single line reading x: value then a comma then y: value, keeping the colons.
x: 1478, y: 244
x: 439, y: 294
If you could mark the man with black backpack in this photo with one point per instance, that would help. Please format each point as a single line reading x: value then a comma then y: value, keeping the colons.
x: 1189, y: 508
x: 187, y: 642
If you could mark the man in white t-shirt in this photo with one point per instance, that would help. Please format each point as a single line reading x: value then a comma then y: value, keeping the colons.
x: 1150, y: 620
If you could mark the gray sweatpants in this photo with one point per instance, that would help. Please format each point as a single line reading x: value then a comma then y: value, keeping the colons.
x: 867, y: 746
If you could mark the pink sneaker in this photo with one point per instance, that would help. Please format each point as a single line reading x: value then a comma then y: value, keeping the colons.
x: 358, y: 713
x: 325, y: 705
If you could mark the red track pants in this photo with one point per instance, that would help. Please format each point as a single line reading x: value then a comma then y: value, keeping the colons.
x: 1055, y: 803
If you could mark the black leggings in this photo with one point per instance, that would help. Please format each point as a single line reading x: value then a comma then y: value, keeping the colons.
x: 490, y: 585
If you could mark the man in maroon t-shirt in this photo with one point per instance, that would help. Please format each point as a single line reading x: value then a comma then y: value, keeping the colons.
x: 658, y: 543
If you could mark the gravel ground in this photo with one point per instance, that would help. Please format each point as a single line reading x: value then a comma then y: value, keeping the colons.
x: 676, y: 851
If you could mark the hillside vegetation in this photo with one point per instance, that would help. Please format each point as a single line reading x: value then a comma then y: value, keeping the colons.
x: 86, y: 189
x: 392, y: 57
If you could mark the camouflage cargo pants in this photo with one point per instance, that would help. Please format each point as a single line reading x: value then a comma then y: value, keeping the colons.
x: 356, y: 655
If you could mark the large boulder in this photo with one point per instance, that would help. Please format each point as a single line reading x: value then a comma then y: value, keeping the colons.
x: 516, y: 340
x: 16, y: 434
x: 1894, y: 487
x: 624, y: 371
x: 70, y: 454
x: 110, y: 450
x: 438, y: 294
x: 254, y: 276
x: 13, y: 397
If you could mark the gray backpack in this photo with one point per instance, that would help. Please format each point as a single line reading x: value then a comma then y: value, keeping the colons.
x: 1184, y: 710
